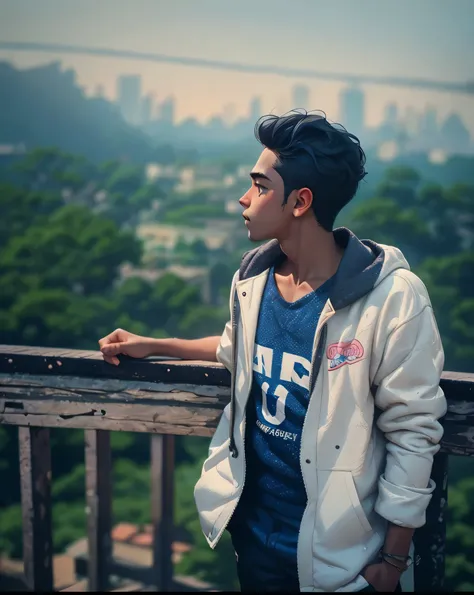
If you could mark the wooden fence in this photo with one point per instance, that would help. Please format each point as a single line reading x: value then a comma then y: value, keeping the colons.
x: 43, y: 388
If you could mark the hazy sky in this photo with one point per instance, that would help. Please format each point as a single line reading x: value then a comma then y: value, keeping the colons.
x: 419, y: 38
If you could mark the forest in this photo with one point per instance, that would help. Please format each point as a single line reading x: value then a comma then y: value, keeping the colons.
x: 60, y: 260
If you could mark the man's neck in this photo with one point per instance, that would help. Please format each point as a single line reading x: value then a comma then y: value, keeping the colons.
x: 311, y: 254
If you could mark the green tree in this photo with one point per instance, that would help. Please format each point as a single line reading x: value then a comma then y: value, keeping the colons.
x: 460, y: 537
x: 21, y: 208
x: 75, y: 249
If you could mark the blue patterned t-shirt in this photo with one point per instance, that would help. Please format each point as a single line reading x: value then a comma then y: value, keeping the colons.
x: 274, y: 498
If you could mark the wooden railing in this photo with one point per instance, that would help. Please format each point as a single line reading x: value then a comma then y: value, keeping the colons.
x: 43, y: 388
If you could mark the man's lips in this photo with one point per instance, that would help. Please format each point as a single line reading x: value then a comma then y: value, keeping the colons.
x: 246, y: 218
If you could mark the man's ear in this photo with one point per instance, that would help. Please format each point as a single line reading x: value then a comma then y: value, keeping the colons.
x: 302, y: 201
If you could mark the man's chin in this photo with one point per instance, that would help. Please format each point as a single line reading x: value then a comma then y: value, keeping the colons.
x: 254, y: 237
x: 257, y: 235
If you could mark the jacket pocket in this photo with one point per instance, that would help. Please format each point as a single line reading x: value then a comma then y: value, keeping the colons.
x: 217, y: 472
x: 214, y: 493
x: 340, y: 520
x: 356, y: 504
x: 224, y: 469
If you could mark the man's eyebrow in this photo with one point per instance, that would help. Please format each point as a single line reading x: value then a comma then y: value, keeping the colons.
x: 256, y: 175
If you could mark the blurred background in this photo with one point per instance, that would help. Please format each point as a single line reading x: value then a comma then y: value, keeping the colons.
x: 126, y: 139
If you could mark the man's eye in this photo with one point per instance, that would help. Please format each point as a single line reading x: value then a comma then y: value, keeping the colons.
x: 260, y: 188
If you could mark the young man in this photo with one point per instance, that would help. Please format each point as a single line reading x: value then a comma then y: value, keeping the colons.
x: 320, y: 466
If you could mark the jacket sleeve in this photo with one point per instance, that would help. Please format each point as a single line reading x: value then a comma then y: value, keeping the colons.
x: 224, y: 349
x: 411, y: 403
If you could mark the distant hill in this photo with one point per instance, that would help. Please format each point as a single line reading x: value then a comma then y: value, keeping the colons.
x: 44, y: 106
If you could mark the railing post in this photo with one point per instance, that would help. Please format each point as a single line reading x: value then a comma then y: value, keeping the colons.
x: 35, y: 478
x: 99, y: 507
x: 430, y: 540
x: 162, y: 493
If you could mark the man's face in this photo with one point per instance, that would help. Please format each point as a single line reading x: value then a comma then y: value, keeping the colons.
x: 265, y: 215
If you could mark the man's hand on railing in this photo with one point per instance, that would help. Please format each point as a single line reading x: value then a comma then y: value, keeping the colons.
x: 123, y: 342
x: 126, y: 343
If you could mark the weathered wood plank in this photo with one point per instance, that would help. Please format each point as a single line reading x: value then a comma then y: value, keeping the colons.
x: 9, y: 349
x: 111, y: 404
x: 101, y: 423
x: 162, y: 490
x: 99, y: 507
x: 86, y: 364
x: 458, y: 423
x: 38, y: 387
x: 458, y: 386
x: 164, y: 412
x: 35, y: 478
x: 189, y: 414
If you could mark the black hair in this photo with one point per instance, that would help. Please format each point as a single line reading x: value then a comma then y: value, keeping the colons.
x: 312, y: 153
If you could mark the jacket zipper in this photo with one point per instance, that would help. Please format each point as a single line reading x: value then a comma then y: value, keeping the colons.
x: 312, y: 382
x: 219, y: 535
x: 232, y: 447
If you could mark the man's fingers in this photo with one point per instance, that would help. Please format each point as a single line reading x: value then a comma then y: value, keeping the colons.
x: 112, y: 360
x: 112, y: 348
x: 112, y: 337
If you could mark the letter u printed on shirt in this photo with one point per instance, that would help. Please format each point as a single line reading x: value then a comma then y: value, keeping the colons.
x: 263, y: 364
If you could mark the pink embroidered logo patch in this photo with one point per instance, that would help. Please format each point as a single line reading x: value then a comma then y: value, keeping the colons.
x: 340, y: 354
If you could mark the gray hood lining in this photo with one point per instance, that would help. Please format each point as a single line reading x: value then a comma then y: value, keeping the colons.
x: 356, y: 276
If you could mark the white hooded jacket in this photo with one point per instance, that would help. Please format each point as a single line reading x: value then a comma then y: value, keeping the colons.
x: 371, y: 428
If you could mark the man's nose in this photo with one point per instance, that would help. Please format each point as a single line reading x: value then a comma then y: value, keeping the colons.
x: 244, y: 201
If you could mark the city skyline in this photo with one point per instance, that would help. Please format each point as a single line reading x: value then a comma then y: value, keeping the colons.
x: 374, y: 39
x: 411, y: 130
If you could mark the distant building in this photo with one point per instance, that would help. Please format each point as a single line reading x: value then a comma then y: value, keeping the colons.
x: 167, y: 110
x: 242, y: 172
x: 155, y: 234
x: 190, y: 126
x: 200, y: 178
x: 387, y: 151
x: 255, y: 110
x: 437, y: 156
x: 389, y: 129
x: 99, y: 91
x: 391, y: 114
x: 428, y: 127
x: 300, y: 97
x: 129, y: 97
x: 156, y: 171
x: 411, y: 120
x: 146, y: 110
x: 352, y: 110
x: 228, y: 114
x: 132, y: 553
x: 11, y: 154
x: 215, y: 128
x: 454, y: 135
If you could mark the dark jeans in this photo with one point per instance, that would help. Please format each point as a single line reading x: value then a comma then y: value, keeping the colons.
x: 370, y: 589
x: 259, y: 571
